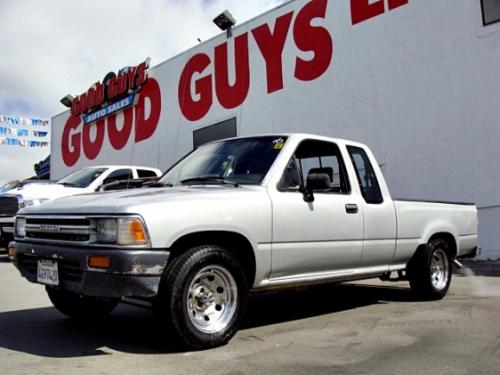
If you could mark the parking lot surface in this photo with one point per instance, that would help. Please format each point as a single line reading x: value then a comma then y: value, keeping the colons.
x: 356, y: 328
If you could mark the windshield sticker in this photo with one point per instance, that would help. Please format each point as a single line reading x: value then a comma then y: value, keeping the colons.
x: 278, y: 144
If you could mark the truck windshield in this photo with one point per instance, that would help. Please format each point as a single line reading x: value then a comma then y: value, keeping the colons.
x: 243, y: 161
x: 82, y: 178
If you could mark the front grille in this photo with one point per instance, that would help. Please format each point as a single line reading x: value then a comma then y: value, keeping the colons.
x: 68, y: 269
x: 59, y: 236
x: 59, y: 221
x: 9, y: 205
x: 61, y: 229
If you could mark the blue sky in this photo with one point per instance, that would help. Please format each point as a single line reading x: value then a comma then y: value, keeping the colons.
x: 50, y: 49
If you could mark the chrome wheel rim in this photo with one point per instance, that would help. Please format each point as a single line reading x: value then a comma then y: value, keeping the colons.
x: 439, y: 269
x: 212, y: 299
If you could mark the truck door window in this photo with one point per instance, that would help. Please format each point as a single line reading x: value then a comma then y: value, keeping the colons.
x: 314, y: 156
x: 367, y: 179
x: 119, y: 175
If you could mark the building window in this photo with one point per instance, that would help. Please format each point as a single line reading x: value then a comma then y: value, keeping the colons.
x: 221, y: 130
x: 491, y: 11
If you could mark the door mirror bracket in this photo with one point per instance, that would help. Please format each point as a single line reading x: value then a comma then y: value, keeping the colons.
x: 307, y: 194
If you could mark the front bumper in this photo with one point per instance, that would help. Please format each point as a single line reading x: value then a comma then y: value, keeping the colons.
x: 132, y: 273
x: 6, y: 232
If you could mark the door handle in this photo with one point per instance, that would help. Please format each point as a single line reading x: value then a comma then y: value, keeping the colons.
x: 351, y: 208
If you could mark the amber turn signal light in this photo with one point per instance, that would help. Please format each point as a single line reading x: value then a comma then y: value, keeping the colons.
x: 97, y: 261
x: 11, y: 251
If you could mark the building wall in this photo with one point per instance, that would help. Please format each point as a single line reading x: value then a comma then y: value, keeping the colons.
x: 419, y: 84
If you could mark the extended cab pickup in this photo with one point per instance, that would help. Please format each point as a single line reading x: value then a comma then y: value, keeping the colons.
x: 234, y: 216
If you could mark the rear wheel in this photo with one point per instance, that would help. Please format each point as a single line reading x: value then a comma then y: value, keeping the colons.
x: 430, y: 270
x: 80, y: 307
x: 202, y: 297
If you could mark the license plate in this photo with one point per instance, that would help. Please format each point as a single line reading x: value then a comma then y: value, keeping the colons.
x: 47, y: 272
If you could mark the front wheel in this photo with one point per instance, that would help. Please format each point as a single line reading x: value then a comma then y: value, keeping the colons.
x: 80, y: 307
x: 202, y: 297
x: 429, y: 272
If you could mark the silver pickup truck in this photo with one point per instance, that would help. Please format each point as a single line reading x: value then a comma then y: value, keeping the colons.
x: 236, y: 216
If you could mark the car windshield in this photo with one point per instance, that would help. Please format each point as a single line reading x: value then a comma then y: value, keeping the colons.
x: 236, y: 161
x: 82, y: 178
x: 9, y: 186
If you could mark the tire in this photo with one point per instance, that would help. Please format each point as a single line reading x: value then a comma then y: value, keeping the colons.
x: 80, y: 307
x: 430, y: 270
x: 202, y: 297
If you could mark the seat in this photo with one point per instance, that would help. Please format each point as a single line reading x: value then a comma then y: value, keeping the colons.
x: 326, y: 170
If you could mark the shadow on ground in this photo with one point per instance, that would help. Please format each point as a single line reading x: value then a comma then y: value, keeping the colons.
x: 131, y: 329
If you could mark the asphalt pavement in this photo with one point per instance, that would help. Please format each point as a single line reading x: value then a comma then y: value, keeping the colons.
x: 356, y: 328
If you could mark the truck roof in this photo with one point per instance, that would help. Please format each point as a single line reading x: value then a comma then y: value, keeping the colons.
x: 299, y: 136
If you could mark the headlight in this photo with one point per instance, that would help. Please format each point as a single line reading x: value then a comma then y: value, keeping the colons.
x: 33, y: 202
x: 20, y: 227
x: 121, y: 231
x: 106, y: 230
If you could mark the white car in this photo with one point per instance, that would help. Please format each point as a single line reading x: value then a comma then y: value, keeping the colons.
x: 86, y: 180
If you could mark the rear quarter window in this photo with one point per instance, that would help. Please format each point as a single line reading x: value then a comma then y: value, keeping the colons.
x: 365, y: 174
x: 142, y: 173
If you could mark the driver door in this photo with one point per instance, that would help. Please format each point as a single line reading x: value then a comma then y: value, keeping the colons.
x: 322, y: 236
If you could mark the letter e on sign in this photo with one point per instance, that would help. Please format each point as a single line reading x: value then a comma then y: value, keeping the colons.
x: 362, y: 10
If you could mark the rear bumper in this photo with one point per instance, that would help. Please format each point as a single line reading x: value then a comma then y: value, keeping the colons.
x: 474, y: 253
x: 132, y: 273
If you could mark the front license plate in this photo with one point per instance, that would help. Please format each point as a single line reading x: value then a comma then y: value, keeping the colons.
x: 47, y: 272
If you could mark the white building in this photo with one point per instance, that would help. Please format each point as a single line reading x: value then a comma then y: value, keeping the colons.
x: 416, y: 80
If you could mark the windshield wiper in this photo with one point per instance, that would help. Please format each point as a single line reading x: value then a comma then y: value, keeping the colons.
x: 158, y: 184
x: 213, y: 179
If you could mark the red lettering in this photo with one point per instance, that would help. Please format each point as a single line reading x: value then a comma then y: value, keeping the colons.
x: 393, y: 4
x: 192, y: 109
x: 362, y: 10
x: 119, y: 138
x: 231, y: 96
x: 70, y: 143
x: 131, y: 78
x: 112, y: 87
x: 75, y: 107
x: 271, y: 45
x: 99, y: 93
x: 122, y: 84
x: 312, y: 38
x: 91, y: 98
x: 142, y: 73
x: 146, y: 126
x: 92, y: 148
x: 83, y: 103
x: 147, y: 115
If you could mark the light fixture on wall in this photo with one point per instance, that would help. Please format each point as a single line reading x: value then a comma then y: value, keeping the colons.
x: 67, y: 100
x: 225, y: 21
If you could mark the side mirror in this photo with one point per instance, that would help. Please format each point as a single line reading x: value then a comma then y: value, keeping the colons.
x: 315, y: 181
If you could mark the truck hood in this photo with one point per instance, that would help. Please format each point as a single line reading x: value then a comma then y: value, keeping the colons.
x: 46, y: 191
x: 129, y: 200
